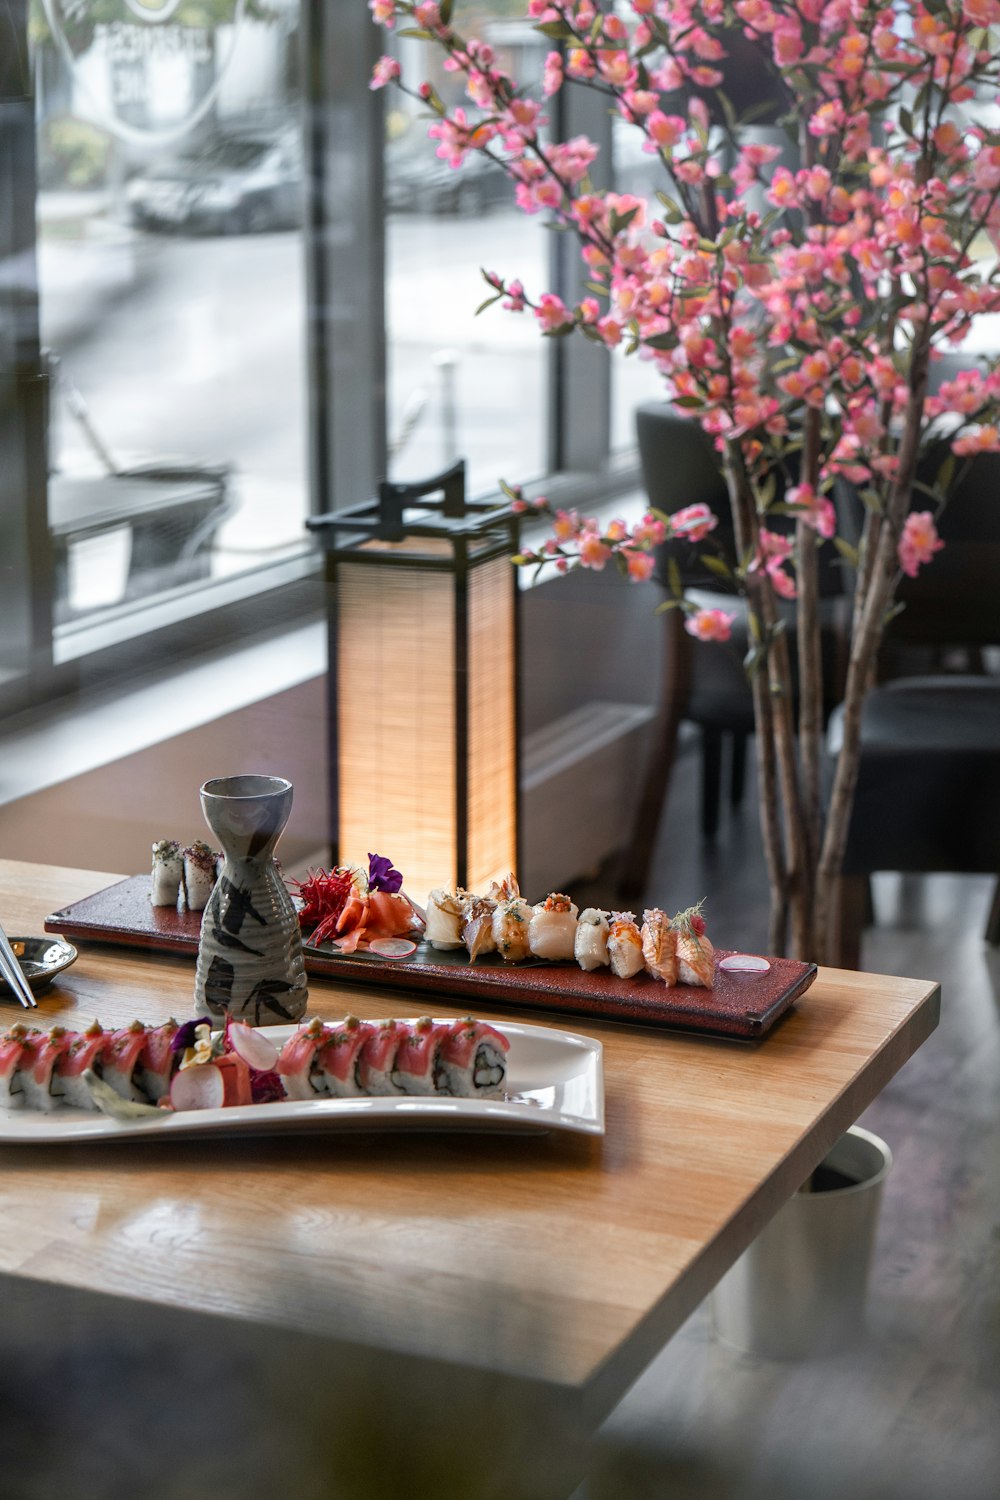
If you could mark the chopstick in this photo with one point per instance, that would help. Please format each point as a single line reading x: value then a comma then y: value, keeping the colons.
x: 14, y: 974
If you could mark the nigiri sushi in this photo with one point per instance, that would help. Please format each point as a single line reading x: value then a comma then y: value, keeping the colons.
x: 590, y: 945
x: 477, y: 928
x: 695, y: 954
x: 417, y: 1057
x: 510, y: 922
x: 167, y: 874
x: 339, y: 1057
x: 624, y: 945
x: 472, y: 1060
x: 445, y: 915
x: 659, y: 945
x: 552, y: 928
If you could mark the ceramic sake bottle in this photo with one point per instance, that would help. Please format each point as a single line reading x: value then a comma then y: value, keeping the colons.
x: 250, y: 963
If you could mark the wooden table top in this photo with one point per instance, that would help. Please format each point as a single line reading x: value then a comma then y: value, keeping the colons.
x: 564, y: 1258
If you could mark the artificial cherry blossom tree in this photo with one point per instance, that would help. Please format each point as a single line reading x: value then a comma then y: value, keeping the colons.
x: 793, y: 310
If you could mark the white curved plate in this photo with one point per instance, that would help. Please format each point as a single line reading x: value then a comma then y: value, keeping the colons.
x: 555, y: 1082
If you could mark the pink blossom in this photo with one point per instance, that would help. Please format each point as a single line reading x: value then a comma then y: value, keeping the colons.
x: 592, y: 551
x: 918, y: 543
x: 640, y: 564
x: 709, y: 624
x: 552, y: 312
x: 515, y: 301
x: 383, y: 12
x: 650, y: 531
x: 694, y: 522
x: 817, y: 511
x: 552, y: 75
x: 978, y: 439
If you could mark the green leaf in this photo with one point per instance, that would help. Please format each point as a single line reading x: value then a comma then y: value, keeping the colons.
x: 662, y: 341
x: 754, y: 660
x: 717, y: 566
x: 674, y: 579
x: 560, y: 31
x: 445, y: 8
x: 618, y: 222
x: 488, y: 303
x: 418, y: 32
x: 906, y: 120
x: 661, y: 609
x: 946, y: 474
x: 847, y: 552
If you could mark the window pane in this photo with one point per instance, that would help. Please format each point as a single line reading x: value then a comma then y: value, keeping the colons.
x: 633, y: 380
x: 461, y: 386
x: 171, y: 283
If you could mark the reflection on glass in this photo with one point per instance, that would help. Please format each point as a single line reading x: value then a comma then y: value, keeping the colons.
x: 460, y: 386
x: 171, y: 290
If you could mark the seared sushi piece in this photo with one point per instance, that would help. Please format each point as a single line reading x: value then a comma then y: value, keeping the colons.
x: 84, y: 1051
x: 120, y: 1060
x: 42, y: 1088
x: 378, y: 1058
x: 695, y: 954
x: 15, y: 1048
x: 477, y: 927
x: 510, y: 926
x: 445, y: 915
x: 298, y: 1063
x: 659, y: 945
x: 624, y: 945
x: 590, y: 945
x: 472, y: 1060
x: 552, y: 928
x: 157, y: 1061
x: 168, y: 872
x: 339, y: 1057
x: 417, y: 1057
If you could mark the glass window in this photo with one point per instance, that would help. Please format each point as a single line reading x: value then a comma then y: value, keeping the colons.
x: 461, y: 386
x: 172, y: 305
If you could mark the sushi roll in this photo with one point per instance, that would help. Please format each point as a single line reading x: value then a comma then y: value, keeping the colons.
x: 445, y: 915
x: 659, y: 945
x: 339, y: 1057
x: 298, y: 1063
x: 417, y: 1057
x: 472, y: 1060
x: 157, y: 1061
x: 624, y: 945
x: 120, y: 1060
x: 84, y: 1052
x: 552, y: 928
x: 168, y: 872
x: 199, y: 875
x: 590, y: 945
x: 12, y: 1054
x: 477, y: 927
x: 43, y: 1088
x: 378, y: 1058
x: 695, y: 954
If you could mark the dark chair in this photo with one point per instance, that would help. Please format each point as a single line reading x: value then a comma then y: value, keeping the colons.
x: 703, y: 683
x: 928, y: 795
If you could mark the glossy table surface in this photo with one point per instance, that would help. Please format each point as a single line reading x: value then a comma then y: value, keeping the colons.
x: 566, y: 1259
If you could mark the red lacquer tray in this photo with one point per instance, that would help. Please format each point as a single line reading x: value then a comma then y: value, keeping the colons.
x: 740, y: 1005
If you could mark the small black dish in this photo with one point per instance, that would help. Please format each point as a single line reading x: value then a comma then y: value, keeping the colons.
x: 41, y: 959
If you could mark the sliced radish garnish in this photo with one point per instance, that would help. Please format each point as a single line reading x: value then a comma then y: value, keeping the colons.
x: 199, y: 1087
x: 392, y: 947
x: 255, y: 1050
x: 744, y: 963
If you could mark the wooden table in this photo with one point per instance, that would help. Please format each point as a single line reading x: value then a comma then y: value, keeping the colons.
x: 558, y: 1264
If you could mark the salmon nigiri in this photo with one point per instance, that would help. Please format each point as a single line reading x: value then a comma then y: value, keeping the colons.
x: 659, y: 945
x: 695, y: 954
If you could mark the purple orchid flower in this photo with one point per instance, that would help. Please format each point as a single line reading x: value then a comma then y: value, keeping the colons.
x: 382, y: 876
x: 185, y: 1037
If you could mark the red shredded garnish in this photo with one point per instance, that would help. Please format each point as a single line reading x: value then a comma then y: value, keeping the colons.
x: 324, y: 894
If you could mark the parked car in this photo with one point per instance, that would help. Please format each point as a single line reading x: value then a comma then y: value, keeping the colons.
x: 232, y: 185
x: 418, y: 181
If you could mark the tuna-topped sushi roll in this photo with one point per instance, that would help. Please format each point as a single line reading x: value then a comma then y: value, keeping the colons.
x: 298, y: 1063
x: 472, y: 1060
x: 120, y: 1060
x: 17, y: 1047
x: 340, y: 1055
x: 417, y: 1057
x: 552, y: 929
x: 84, y: 1051
x: 42, y: 1087
x: 157, y: 1061
x: 378, y: 1058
